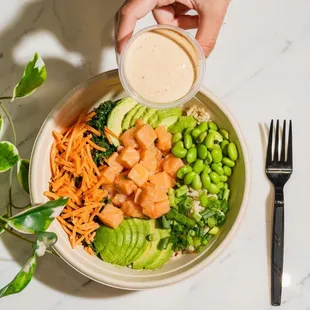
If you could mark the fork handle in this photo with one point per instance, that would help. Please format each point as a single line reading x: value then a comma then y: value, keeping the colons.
x: 277, y: 247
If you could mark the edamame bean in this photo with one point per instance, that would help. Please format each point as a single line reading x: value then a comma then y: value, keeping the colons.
x: 223, y: 178
x: 220, y: 164
x: 176, y: 137
x: 232, y: 151
x: 217, y: 135
x: 205, y: 180
x: 201, y: 137
x: 216, y: 155
x: 188, y: 141
x: 189, y: 177
x: 215, y: 146
x: 213, y: 189
x: 218, y: 169
x: 195, y: 133
x: 183, y: 170
x: 209, y: 141
x: 191, y: 155
x: 227, y: 171
x: 224, y: 146
x: 225, y: 186
x: 215, y: 178
x: 179, y: 152
x: 224, y: 133
x: 209, y: 158
x: 198, y: 166
x: 196, y: 183
x: 212, y: 126
x: 203, y: 198
x: 202, y: 151
x: 228, y: 162
x: 203, y: 126
x: 220, y: 185
x: 179, y: 144
x: 207, y: 169
x: 188, y: 131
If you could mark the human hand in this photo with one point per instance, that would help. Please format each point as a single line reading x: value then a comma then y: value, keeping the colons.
x: 208, y: 21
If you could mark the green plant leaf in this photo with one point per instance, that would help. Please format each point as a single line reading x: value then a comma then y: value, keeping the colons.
x: 44, y: 240
x: 33, y: 77
x: 37, y: 219
x: 22, y: 174
x: 2, y: 223
x: 21, y: 280
x: 8, y: 155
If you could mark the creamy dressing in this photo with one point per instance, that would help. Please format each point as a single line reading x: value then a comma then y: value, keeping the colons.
x: 160, y: 65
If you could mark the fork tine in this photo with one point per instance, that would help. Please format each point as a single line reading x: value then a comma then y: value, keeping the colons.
x: 269, y: 147
x: 276, y: 144
x: 283, y: 146
x: 290, y: 146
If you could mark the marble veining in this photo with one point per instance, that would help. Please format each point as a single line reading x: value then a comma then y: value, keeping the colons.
x: 260, y: 68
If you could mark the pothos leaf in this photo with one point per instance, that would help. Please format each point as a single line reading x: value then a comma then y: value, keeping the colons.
x: 37, y: 219
x: 44, y: 240
x: 8, y: 155
x: 22, y: 174
x: 33, y: 77
x: 21, y: 280
x: 2, y: 223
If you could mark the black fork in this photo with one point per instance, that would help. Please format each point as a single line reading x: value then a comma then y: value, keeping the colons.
x: 278, y: 170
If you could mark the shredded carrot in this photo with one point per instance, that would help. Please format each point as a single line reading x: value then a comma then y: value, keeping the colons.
x: 109, y: 131
x: 75, y: 175
x: 93, y: 130
x: 108, y: 137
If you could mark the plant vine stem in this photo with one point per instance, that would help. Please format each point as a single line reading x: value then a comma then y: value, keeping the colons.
x: 24, y: 239
x: 6, y: 112
x: 6, y: 98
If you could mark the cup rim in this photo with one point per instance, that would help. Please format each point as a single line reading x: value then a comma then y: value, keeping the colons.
x: 196, y: 85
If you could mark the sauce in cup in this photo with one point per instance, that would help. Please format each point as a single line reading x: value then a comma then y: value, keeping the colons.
x: 162, y: 66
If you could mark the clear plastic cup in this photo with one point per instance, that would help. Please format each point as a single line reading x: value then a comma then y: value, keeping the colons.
x: 200, y: 69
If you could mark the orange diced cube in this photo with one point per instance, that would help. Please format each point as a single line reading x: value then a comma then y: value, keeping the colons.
x: 148, y: 154
x: 119, y: 199
x: 139, y: 174
x: 161, y: 178
x: 112, y: 162
x: 125, y: 186
x: 160, y: 193
x: 128, y: 138
x: 137, y: 196
x: 145, y: 136
x: 111, y: 216
x: 172, y: 164
x: 132, y: 209
x: 147, y: 196
x: 150, y: 164
x: 157, y: 210
x: 107, y: 175
x: 139, y: 122
x: 164, y: 138
x: 129, y: 157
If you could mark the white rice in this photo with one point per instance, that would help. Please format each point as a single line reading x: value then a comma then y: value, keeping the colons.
x: 199, y: 113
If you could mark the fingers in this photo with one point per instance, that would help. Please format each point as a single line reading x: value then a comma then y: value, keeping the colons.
x: 167, y: 15
x: 128, y: 16
x: 211, y: 17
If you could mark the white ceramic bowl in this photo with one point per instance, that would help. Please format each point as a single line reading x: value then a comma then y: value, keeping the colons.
x: 89, y: 94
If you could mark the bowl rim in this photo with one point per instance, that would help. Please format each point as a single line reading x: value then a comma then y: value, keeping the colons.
x: 123, y: 284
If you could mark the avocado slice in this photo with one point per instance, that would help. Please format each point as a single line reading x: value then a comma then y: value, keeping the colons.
x: 162, y: 258
x: 134, y: 238
x: 128, y: 117
x: 137, y: 115
x: 106, y: 243
x: 117, y: 115
x: 153, y: 120
x: 126, y: 232
x: 148, y: 114
x: 144, y: 229
x: 167, y: 113
x: 167, y: 121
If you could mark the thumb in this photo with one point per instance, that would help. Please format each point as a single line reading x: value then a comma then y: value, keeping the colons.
x: 211, y: 17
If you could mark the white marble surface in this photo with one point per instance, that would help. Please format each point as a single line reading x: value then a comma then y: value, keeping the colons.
x: 260, y: 68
